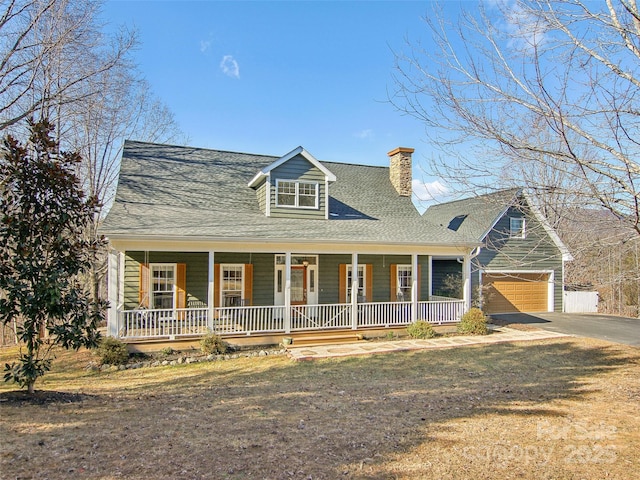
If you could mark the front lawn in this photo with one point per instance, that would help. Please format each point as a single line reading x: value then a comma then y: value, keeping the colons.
x: 563, y: 408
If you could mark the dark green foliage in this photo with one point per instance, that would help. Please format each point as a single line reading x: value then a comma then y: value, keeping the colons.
x: 43, y: 253
x: 112, y: 351
x: 213, y: 344
x: 474, y: 322
x: 421, y: 329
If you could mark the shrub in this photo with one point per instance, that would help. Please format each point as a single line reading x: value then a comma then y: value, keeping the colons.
x: 474, y: 322
x: 166, y: 351
x: 213, y: 344
x: 112, y: 351
x: 421, y: 329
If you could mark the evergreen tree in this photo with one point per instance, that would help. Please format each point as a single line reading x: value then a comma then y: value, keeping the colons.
x: 44, y: 252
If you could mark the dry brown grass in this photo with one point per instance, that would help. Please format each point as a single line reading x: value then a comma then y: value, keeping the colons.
x: 558, y: 409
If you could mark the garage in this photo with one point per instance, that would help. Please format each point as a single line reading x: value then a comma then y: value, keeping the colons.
x: 516, y: 292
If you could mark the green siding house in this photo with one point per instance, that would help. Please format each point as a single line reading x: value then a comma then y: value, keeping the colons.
x: 259, y: 246
x: 520, y: 266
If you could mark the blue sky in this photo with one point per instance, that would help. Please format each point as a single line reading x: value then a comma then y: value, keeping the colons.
x: 264, y: 77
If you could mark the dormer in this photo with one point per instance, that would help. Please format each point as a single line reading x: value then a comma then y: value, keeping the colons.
x: 296, y: 185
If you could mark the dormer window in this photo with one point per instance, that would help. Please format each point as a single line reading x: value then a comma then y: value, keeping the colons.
x: 517, y: 227
x: 295, y: 194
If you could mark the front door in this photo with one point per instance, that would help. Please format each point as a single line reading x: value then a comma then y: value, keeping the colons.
x: 298, y: 285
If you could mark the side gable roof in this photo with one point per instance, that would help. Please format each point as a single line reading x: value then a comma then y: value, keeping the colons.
x: 297, y: 151
x: 477, y: 216
x: 175, y: 192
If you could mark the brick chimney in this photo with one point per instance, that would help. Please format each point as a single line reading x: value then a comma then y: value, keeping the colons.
x: 400, y: 170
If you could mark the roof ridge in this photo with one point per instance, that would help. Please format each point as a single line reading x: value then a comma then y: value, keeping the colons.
x: 201, y: 148
x: 477, y: 197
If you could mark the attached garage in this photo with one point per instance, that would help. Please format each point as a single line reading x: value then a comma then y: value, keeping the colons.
x: 516, y: 292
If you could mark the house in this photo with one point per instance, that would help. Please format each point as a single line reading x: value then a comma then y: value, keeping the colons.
x: 520, y: 267
x: 255, y: 247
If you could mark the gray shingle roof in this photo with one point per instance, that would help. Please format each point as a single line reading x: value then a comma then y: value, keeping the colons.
x: 472, y: 217
x: 174, y: 191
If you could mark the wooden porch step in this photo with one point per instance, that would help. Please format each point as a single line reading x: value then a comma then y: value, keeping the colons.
x: 329, y: 338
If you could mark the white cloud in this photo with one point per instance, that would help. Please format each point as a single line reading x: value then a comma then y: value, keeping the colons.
x: 365, y: 134
x: 230, y: 67
x: 429, y: 192
x: 527, y: 29
x: 205, y: 45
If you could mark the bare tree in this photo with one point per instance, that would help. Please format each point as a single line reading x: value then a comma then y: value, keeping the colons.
x: 123, y: 107
x: 49, y: 50
x: 542, y: 93
x: 57, y: 63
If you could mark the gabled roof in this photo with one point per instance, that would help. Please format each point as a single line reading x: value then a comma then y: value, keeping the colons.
x: 177, y: 192
x: 474, y: 216
x: 297, y: 151
x: 477, y: 216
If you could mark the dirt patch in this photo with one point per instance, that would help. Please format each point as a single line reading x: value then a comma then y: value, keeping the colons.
x: 503, y: 322
x: 563, y: 408
x: 41, y: 397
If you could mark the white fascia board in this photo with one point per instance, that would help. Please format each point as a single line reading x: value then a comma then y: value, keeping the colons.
x: 296, y: 151
x: 502, y: 213
x: 566, y: 255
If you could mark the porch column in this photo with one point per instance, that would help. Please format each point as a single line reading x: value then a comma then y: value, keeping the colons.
x: 414, y: 287
x: 466, y: 282
x: 430, y: 276
x: 354, y: 291
x: 210, y: 291
x: 287, y: 293
x: 113, y: 294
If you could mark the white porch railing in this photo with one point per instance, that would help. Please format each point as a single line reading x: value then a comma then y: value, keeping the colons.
x: 162, y: 322
x: 248, y: 320
x: 272, y: 319
x: 320, y: 317
x: 384, y: 314
x: 438, y: 312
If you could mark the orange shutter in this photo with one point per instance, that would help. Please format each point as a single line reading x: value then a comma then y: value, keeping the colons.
x: 181, y: 285
x: 143, y: 286
x: 248, y: 284
x: 369, y: 280
x: 342, y: 283
x: 394, y: 282
x: 216, y: 285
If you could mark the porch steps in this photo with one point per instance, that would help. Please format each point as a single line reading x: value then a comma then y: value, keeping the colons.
x: 334, y: 338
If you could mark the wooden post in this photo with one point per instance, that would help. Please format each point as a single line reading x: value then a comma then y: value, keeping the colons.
x: 354, y: 291
x: 287, y: 293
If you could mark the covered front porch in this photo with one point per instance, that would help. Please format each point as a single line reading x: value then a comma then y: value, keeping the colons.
x: 170, y: 294
x: 276, y: 319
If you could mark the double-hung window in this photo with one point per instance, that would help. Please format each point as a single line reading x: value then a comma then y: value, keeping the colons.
x: 517, y: 227
x: 296, y: 194
x: 163, y: 281
x: 405, y: 278
x: 231, y: 285
x: 361, y: 283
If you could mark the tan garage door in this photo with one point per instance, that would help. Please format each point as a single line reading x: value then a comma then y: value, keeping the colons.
x: 515, y: 292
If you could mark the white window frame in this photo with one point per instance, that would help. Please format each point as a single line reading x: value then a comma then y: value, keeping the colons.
x: 153, y: 267
x: 400, y: 269
x: 297, y: 194
x: 362, y: 282
x: 516, y: 231
x: 227, y: 267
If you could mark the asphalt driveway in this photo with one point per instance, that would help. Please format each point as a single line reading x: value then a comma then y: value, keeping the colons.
x: 604, y: 327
